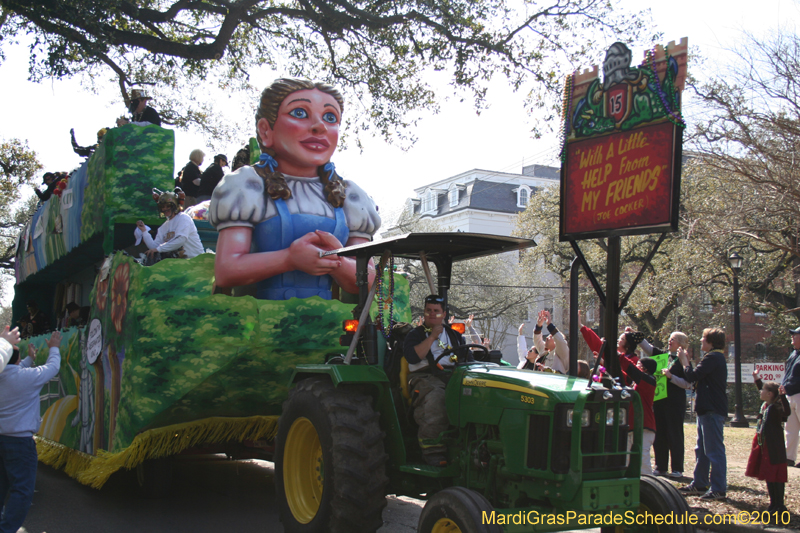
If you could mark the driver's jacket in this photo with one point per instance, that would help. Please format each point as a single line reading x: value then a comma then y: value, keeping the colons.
x: 419, y: 334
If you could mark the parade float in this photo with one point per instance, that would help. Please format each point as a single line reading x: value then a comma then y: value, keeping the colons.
x: 168, y: 364
x: 163, y: 365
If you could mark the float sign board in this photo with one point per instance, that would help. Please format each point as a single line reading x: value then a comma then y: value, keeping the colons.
x: 621, y: 184
x: 623, y: 144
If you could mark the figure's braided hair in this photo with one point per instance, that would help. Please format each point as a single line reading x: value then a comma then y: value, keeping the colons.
x: 271, y: 98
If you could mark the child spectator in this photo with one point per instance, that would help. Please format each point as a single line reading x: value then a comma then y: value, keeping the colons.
x: 767, y: 460
x: 641, y: 373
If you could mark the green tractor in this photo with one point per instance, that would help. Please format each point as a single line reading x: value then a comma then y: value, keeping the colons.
x: 527, y: 451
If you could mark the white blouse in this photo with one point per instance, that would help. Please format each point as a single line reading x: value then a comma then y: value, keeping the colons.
x: 239, y: 200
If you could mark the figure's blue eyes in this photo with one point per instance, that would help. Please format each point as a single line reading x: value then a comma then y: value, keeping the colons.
x: 301, y: 113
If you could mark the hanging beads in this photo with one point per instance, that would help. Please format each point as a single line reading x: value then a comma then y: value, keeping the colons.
x: 566, y: 109
x: 386, y: 300
x: 674, y: 117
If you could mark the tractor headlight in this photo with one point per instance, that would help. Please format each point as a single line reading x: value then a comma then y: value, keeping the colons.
x: 610, y: 416
x: 623, y: 417
x: 584, y: 418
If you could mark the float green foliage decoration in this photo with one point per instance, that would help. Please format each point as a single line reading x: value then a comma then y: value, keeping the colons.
x: 129, y: 162
x: 187, y: 354
x: 177, y: 357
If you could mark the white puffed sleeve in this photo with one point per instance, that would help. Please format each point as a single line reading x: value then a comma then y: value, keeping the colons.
x: 238, y: 200
x: 361, y: 212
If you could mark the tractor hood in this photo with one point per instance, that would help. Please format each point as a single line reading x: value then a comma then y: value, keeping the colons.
x: 486, y: 390
x: 525, y: 381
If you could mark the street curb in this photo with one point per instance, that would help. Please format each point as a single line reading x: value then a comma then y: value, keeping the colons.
x: 734, y: 528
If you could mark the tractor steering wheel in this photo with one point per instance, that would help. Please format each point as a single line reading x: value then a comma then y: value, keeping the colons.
x: 462, y: 349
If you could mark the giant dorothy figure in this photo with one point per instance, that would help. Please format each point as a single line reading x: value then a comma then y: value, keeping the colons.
x: 275, y: 218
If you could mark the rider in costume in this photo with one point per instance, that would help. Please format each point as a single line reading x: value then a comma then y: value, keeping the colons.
x: 275, y: 218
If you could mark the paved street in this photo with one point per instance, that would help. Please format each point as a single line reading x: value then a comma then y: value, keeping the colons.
x: 210, y: 494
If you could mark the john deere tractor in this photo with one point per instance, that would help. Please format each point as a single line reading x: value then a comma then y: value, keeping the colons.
x: 527, y: 451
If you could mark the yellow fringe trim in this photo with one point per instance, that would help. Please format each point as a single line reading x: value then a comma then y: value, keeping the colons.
x: 94, y: 471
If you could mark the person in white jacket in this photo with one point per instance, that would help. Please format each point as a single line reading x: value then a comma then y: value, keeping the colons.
x: 20, y: 385
x: 177, y: 237
x: 553, y: 348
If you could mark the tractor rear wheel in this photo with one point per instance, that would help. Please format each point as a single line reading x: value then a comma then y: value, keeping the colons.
x: 330, y: 473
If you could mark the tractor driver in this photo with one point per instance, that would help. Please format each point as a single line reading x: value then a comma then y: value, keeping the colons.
x: 427, y: 378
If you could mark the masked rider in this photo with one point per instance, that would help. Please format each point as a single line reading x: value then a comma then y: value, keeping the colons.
x: 177, y: 237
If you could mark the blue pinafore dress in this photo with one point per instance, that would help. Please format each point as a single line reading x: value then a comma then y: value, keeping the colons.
x: 278, y: 233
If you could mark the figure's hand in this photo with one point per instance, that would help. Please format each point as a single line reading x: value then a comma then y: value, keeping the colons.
x: 121, y: 121
x: 55, y: 340
x: 31, y: 351
x: 451, y: 319
x: 437, y: 330
x: 487, y: 342
x: 469, y: 320
x: 540, y: 319
x: 417, y: 321
x: 141, y: 226
x: 11, y: 335
x: 628, y: 329
x: 328, y: 241
x: 781, y: 389
x: 667, y: 373
x: 580, y: 319
x: 755, y: 374
x: 151, y: 252
x: 304, y: 253
x: 521, y: 328
x: 546, y: 316
x: 683, y: 356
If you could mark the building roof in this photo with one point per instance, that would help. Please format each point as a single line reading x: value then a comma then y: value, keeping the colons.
x: 484, y: 190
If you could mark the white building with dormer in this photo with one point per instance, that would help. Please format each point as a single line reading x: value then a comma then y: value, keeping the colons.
x: 481, y: 201
x: 485, y: 201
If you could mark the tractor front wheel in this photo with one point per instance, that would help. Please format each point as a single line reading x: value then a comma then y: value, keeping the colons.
x: 658, y: 497
x: 456, y: 510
